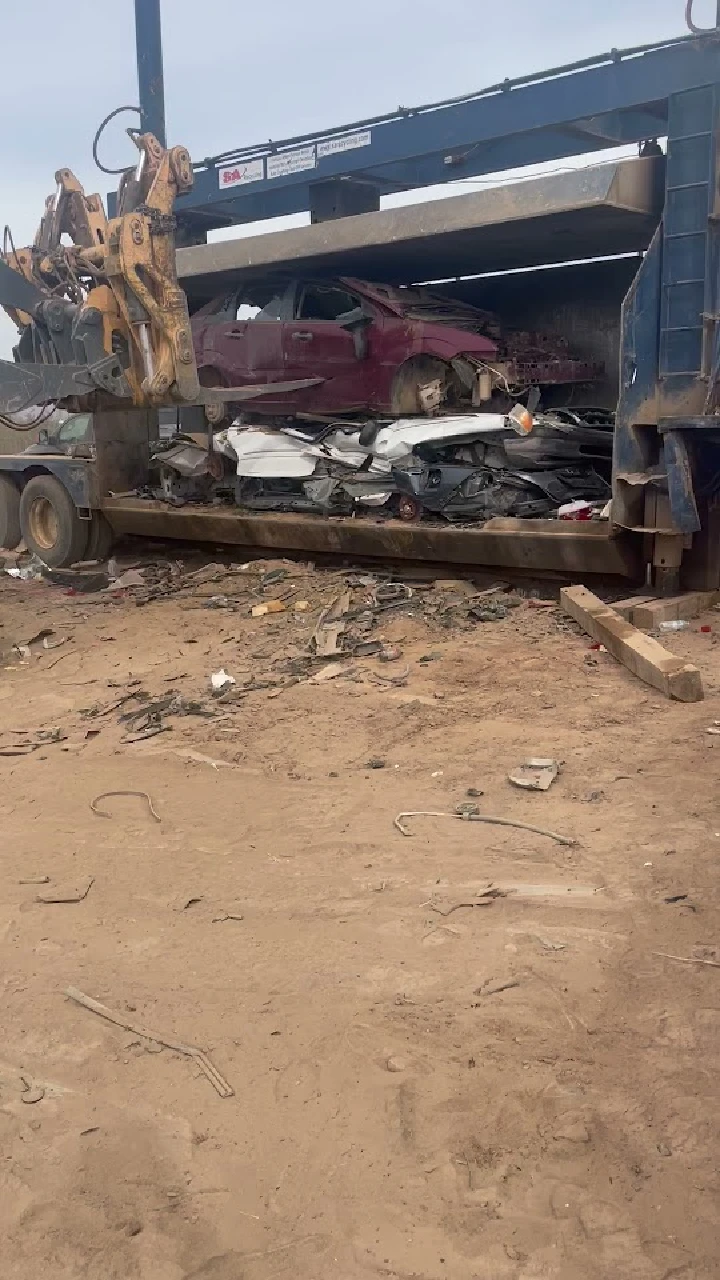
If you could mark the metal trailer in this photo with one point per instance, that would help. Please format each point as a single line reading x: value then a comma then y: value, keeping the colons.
x: 666, y: 470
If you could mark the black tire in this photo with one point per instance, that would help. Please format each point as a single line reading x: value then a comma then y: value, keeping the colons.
x: 101, y: 538
x: 50, y: 524
x: 10, y: 531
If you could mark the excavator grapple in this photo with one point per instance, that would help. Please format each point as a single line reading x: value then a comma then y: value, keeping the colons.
x: 102, y: 319
x: 103, y: 314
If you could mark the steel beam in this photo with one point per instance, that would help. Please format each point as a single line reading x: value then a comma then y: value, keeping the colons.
x: 425, y: 171
x: 510, y: 125
x: 148, y: 42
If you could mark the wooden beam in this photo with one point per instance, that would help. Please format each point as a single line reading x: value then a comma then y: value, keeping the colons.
x: 642, y: 655
x: 626, y: 607
x: 648, y: 614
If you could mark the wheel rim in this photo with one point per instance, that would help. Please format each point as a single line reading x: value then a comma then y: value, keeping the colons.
x: 408, y: 508
x: 215, y: 413
x: 43, y: 523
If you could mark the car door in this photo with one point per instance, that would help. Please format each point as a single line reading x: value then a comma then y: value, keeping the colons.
x: 248, y: 348
x: 327, y: 338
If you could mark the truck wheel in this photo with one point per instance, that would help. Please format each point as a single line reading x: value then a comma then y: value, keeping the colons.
x: 101, y: 538
x: 50, y: 524
x: 10, y: 532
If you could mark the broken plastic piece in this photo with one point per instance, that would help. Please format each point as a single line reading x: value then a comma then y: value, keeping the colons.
x: 535, y: 774
x: 521, y: 420
x: 219, y: 680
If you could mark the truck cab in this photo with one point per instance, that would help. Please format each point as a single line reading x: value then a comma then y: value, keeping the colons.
x: 73, y: 433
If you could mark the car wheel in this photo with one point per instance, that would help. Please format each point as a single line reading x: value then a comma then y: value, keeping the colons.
x: 409, y: 509
x: 101, y: 538
x: 417, y: 374
x: 50, y: 524
x: 10, y: 531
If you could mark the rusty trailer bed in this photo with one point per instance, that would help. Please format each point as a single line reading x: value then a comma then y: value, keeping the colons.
x: 574, y: 549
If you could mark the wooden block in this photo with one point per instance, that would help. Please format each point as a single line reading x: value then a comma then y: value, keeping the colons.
x: 625, y: 607
x: 642, y: 655
x: 649, y: 614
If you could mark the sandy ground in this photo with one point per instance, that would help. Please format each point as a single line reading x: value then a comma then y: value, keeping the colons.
x: 395, y: 1113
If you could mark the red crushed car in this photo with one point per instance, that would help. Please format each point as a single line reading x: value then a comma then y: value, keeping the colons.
x: 374, y: 349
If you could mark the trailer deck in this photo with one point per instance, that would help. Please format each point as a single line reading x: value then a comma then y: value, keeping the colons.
x: 575, y: 549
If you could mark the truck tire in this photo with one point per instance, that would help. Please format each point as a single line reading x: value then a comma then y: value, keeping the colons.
x: 10, y: 531
x: 101, y: 538
x: 50, y: 524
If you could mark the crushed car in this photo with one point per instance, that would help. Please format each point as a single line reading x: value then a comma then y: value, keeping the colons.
x: 375, y: 349
x: 462, y: 468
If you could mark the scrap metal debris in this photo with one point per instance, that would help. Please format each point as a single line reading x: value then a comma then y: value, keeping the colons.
x: 714, y: 964
x: 31, y: 1093
x: 56, y: 644
x: 105, y: 795
x: 331, y: 626
x: 218, y: 1081
x: 490, y: 988
x: 548, y: 945
x: 50, y: 896
x: 480, y: 817
x: 535, y: 774
x: 331, y: 672
x: 26, y: 746
x: 484, y: 900
x: 130, y: 578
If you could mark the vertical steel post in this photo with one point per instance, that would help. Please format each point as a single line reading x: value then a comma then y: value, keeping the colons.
x: 148, y: 43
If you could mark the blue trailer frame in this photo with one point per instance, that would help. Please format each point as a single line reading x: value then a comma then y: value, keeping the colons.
x: 668, y: 429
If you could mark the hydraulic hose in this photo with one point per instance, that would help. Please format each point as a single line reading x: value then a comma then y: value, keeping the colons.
x: 699, y: 31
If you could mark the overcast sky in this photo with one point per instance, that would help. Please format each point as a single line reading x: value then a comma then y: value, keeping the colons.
x: 238, y: 72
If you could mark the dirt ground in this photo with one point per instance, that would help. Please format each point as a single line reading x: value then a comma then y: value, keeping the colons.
x: 515, y: 1090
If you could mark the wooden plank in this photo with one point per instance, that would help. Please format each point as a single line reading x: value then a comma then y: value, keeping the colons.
x: 642, y: 655
x: 625, y: 607
x: 650, y: 613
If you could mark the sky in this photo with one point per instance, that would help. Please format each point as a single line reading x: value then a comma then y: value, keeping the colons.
x: 238, y: 73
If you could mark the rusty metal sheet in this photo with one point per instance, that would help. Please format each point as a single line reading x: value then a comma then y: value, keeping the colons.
x: 529, y: 545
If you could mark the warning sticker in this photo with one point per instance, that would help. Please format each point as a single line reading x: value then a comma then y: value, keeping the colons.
x: 286, y: 162
x: 350, y: 141
x: 240, y: 173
